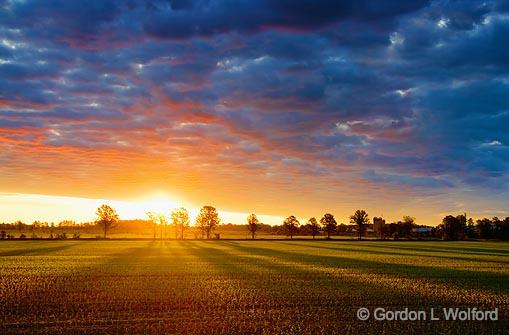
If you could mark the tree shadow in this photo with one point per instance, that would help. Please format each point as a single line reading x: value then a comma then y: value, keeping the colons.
x: 327, y: 296
x: 455, y: 250
x: 272, y: 261
x: 264, y: 297
x: 458, y: 277
x: 38, y: 251
x: 338, y: 247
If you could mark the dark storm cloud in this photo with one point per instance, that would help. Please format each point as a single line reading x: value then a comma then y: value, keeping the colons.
x: 462, y: 15
x: 412, y: 92
x: 207, y: 18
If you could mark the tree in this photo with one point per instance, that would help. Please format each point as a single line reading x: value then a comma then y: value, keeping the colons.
x: 329, y: 224
x: 409, y: 220
x: 153, y: 218
x: 107, y: 218
x: 497, y: 227
x: 504, y: 229
x: 360, y: 218
x: 180, y: 218
x: 485, y: 228
x: 342, y: 228
x: 407, y: 225
x: 492, y: 228
x: 453, y: 227
x: 207, y: 220
x: 253, y: 224
x: 163, y: 222
x: 313, y: 226
x: 19, y: 225
x: 471, y: 231
x: 291, y: 225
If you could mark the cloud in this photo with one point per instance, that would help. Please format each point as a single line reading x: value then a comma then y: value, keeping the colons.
x: 405, y: 180
x: 291, y: 93
x: 210, y: 18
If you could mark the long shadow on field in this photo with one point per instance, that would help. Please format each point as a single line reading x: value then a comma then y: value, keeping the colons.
x: 459, y: 278
x: 396, y: 253
x: 275, y: 281
x: 39, y: 251
x: 316, y: 301
x: 321, y: 288
x: 279, y: 298
x: 63, y: 278
x: 216, y: 257
x: 454, y: 250
x: 130, y: 254
x: 75, y: 292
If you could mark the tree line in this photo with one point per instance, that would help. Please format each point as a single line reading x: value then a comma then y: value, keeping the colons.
x: 460, y: 228
x: 452, y: 227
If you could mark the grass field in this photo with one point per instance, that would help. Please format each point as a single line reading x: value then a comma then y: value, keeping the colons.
x: 245, y: 287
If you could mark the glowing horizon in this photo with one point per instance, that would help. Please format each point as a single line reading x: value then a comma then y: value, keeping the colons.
x: 50, y: 208
x: 58, y: 208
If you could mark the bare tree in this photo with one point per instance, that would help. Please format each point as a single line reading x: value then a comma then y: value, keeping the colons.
x: 207, y: 220
x: 329, y: 224
x: 163, y: 222
x: 180, y: 219
x: 360, y: 218
x: 107, y: 218
x: 253, y: 224
x: 154, y: 219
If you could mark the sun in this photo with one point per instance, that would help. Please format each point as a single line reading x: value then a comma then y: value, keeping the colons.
x: 159, y: 203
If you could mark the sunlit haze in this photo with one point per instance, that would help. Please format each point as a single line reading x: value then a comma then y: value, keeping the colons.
x: 57, y: 208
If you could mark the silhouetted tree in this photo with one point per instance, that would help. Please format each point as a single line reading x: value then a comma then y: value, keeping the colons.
x: 19, y: 225
x: 406, y: 226
x: 485, y: 228
x: 342, y: 228
x: 107, y: 217
x: 453, y: 228
x: 180, y: 218
x: 207, y: 220
x: 471, y: 231
x: 492, y: 228
x: 313, y: 226
x: 504, y: 229
x: 385, y: 231
x: 154, y: 219
x: 391, y: 230
x: 498, y: 227
x: 360, y: 218
x: 163, y: 222
x: 329, y: 224
x: 253, y: 224
x: 291, y: 225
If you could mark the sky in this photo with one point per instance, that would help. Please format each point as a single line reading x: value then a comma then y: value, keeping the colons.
x: 280, y: 107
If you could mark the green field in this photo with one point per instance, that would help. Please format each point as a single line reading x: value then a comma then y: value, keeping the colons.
x: 245, y: 287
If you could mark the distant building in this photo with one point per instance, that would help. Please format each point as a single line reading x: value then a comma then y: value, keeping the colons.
x: 422, y: 230
x: 378, y: 225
